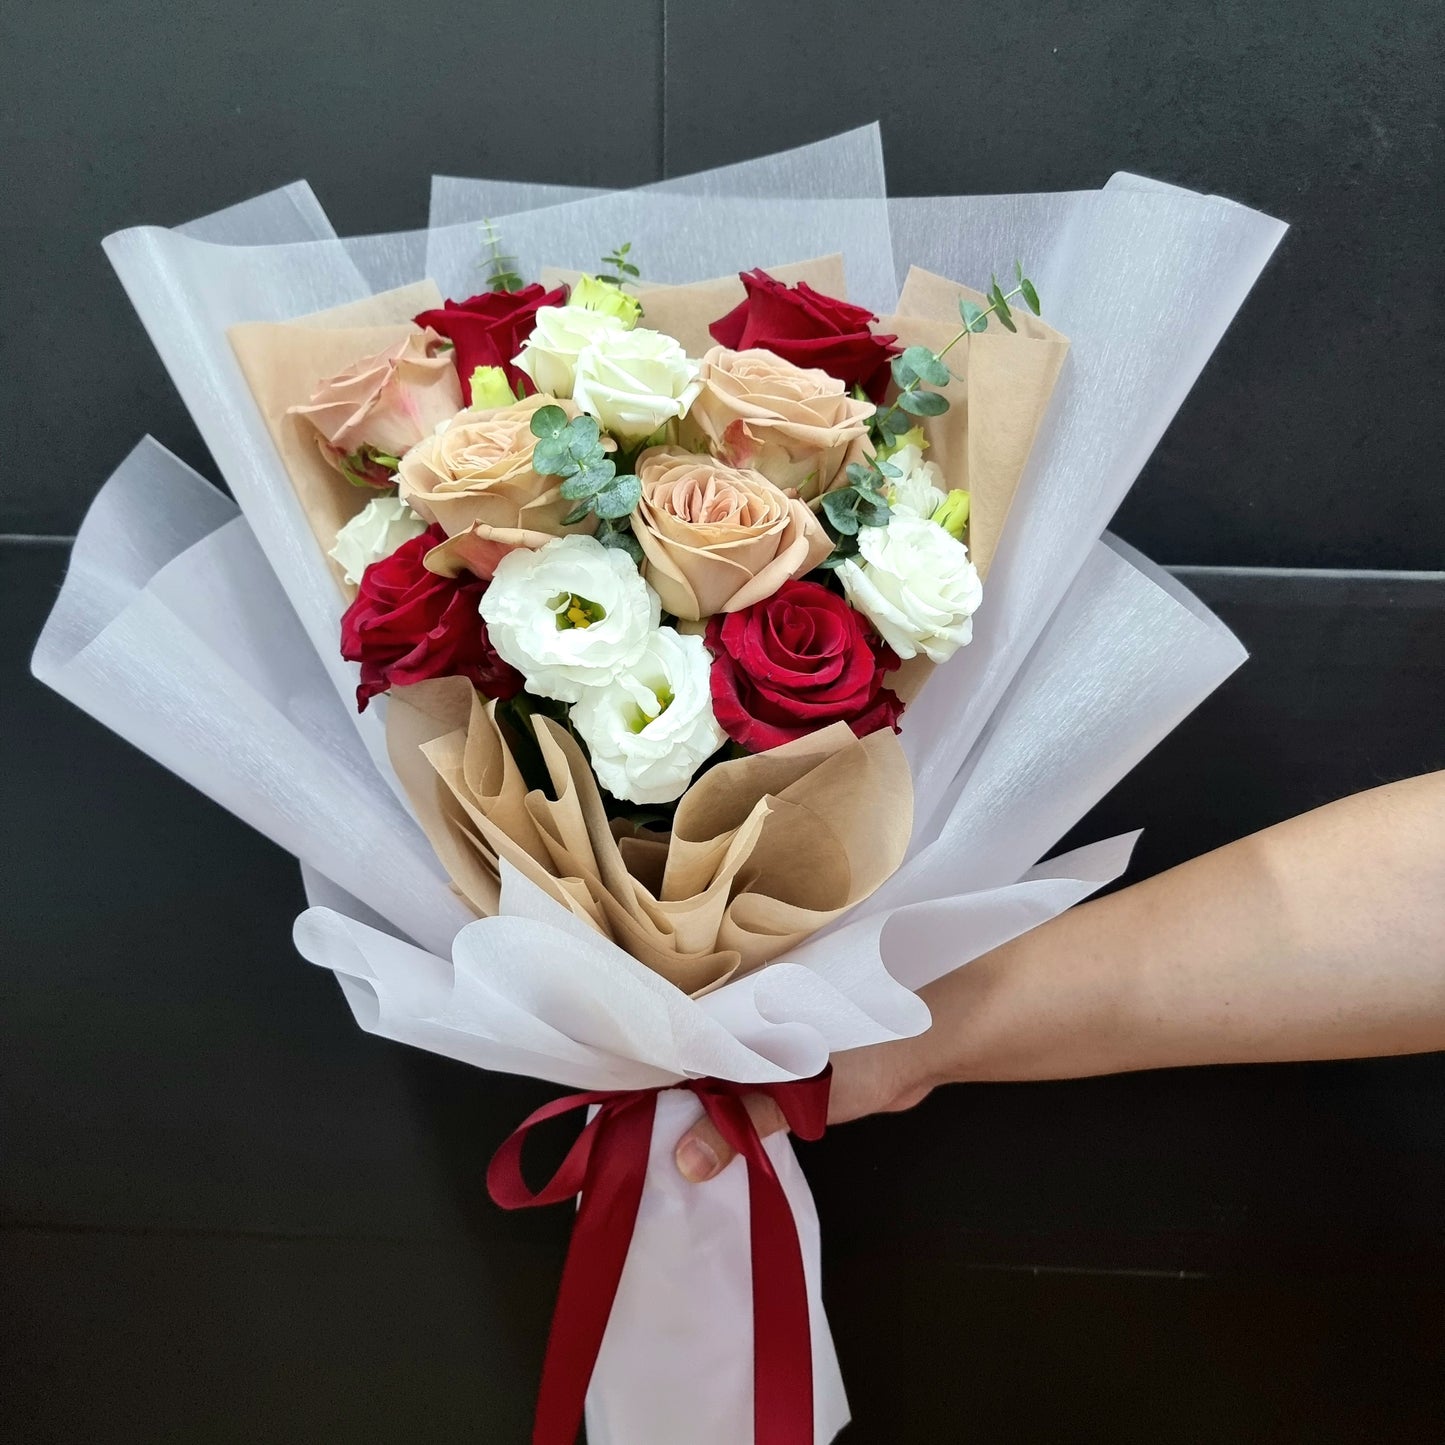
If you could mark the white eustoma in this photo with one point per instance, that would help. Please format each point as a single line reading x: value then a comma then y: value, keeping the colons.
x: 634, y: 382
x: 376, y: 531
x: 559, y: 335
x: 920, y: 490
x: 570, y: 616
x: 650, y: 729
x: 915, y: 584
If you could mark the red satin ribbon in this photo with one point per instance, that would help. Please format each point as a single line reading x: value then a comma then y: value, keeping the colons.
x: 607, y: 1166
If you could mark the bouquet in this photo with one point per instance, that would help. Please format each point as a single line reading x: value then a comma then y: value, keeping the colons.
x: 662, y: 670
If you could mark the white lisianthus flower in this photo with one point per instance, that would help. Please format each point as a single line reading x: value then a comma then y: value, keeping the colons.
x: 570, y: 616
x: 652, y: 728
x: 634, y: 382
x: 560, y: 333
x: 919, y: 491
x: 376, y: 531
x: 915, y: 584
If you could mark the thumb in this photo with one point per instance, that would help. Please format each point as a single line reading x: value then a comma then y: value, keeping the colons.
x: 703, y: 1153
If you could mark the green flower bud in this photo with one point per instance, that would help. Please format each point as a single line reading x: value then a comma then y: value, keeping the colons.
x: 593, y: 295
x: 490, y: 388
x: 913, y: 437
x: 952, y: 513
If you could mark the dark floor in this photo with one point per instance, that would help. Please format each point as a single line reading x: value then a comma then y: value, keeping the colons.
x: 228, y: 1215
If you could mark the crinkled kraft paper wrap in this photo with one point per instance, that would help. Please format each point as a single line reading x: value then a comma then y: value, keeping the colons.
x: 763, y: 852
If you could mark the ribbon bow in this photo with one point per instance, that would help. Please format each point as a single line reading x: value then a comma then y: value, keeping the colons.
x: 607, y: 1166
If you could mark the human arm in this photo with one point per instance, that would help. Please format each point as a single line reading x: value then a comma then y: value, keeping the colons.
x: 1322, y: 937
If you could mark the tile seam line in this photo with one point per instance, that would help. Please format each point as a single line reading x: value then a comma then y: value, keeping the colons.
x: 662, y: 91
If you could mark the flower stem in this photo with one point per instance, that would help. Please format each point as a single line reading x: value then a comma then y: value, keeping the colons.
x: 988, y: 311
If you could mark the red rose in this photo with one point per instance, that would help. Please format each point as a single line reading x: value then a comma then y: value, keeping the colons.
x: 408, y: 624
x: 809, y: 329
x: 795, y: 662
x: 488, y: 330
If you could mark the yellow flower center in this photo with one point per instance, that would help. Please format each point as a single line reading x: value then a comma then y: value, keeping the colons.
x: 640, y: 715
x: 574, y: 611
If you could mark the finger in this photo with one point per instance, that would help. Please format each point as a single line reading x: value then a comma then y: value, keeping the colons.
x: 703, y: 1153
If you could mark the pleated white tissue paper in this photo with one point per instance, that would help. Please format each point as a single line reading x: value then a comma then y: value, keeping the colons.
x: 206, y: 633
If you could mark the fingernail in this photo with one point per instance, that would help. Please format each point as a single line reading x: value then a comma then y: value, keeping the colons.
x: 696, y: 1160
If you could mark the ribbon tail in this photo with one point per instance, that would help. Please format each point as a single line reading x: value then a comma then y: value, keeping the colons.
x: 782, y: 1335
x: 601, y: 1235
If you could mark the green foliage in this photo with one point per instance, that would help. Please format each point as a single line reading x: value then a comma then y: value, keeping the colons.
x: 919, y: 361
x: 891, y: 423
x: 863, y: 502
x: 918, y: 368
x: 619, y: 535
x: 1026, y: 289
x: 923, y: 403
x: 501, y: 275
x: 1000, y: 305
x: 618, y: 270
x: 973, y: 317
x: 617, y: 498
x: 573, y: 450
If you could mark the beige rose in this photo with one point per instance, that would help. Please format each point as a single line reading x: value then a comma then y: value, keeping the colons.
x: 387, y: 402
x: 478, y: 470
x: 799, y: 428
x: 718, y: 538
x: 478, y: 550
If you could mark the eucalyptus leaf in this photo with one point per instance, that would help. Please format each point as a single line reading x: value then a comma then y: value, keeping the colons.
x: 973, y: 317
x: 551, y: 457
x: 903, y: 374
x: 1030, y: 295
x: 859, y: 474
x: 580, y: 487
x: 895, y: 423
x: 576, y: 514
x: 888, y: 469
x: 618, y: 498
x: 611, y: 535
x: 549, y: 421
x: 928, y: 367
x: 1000, y: 306
x: 840, y: 508
x: 923, y: 403
x: 582, y: 435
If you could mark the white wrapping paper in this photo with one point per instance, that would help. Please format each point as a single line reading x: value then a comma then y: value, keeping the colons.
x: 209, y: 640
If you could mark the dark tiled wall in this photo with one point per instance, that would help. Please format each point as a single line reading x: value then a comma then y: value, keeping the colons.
x: 229, y: 1215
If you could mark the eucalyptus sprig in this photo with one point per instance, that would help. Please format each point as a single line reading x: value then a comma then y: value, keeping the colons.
x: 918, y: 364
x: 620, y: 271
x: 863, y: 502
x: 501, y: 276
x: 573, y: 450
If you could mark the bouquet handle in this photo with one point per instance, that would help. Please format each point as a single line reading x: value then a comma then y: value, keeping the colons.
x: 634, y: 1332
